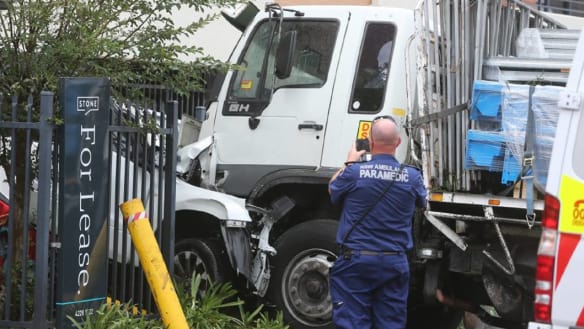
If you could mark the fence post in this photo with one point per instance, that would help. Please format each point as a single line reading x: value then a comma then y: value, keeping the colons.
x: 168, y: 224
x: 44, y: 192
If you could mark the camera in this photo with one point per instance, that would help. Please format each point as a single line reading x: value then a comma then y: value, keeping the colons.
x: 362, y: 144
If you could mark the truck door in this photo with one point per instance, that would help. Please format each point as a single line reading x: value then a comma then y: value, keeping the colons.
x: 375, y: 81
x: 265, y: 123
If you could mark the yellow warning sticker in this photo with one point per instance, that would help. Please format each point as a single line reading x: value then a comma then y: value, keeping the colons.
x: 398, y: 112
x: 364, y: 128
x: 572, y: 202
x: 246, y: 84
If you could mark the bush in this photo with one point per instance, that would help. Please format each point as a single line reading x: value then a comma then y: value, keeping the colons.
x: 216, y: 309
x: 18, y: 284
x: 117, y: 316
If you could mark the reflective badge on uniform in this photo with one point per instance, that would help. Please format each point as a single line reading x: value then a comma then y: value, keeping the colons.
x: 572, y: 200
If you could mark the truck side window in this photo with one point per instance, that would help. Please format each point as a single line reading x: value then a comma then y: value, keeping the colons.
x: 248, y: 77
x: 251, y: 86
x: 312, y: 56
x: 374, y: 65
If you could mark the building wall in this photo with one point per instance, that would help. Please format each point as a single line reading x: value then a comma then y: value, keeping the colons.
x: 324, y: 2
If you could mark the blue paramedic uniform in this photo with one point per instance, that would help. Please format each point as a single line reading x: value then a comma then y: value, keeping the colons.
x: 369, y: 287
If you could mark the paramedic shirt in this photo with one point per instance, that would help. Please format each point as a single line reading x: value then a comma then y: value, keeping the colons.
x: 387, y: 227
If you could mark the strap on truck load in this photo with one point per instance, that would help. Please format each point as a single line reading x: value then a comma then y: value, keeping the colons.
x: 528, y: 158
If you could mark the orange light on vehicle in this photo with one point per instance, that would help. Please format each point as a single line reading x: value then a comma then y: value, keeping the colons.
x: 436, y: 197
x: 494, y: 202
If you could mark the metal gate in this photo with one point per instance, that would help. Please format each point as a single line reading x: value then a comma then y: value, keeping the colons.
x: 26, y: 277
x: 143, y: 138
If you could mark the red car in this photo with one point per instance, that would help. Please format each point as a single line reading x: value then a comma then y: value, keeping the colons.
x: 4, y: 209
x: 4, y: 212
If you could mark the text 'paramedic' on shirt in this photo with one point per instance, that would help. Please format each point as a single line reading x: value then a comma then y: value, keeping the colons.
x: 384, y: 172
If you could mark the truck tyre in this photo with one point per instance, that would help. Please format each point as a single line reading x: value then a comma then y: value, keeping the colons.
x: 299, y: 286
x: 195, y: 256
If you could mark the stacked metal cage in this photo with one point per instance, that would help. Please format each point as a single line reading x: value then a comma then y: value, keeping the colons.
x: 458, y: 42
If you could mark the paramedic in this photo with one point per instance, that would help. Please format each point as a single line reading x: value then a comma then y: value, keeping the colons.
x: 369, y: 280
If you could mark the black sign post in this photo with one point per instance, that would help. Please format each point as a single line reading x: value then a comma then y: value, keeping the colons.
x: 83, y: 204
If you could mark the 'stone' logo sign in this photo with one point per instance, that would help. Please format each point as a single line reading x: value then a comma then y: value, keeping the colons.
x: 87, y: 104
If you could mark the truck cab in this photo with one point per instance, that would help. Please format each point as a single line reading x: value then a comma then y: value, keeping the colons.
x: 308, y: 82
x: 560, y: 259
x: 345, y: 65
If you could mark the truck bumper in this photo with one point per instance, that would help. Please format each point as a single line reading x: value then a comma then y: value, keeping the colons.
x: 536, y: 325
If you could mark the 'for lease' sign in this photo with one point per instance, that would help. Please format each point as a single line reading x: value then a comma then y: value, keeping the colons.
x: 83, y: 204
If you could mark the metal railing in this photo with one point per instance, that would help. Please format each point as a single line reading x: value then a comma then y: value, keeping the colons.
x: 25, y: 155
x: 564, y: 7
x: 454, y: 39
x: 143, y: 137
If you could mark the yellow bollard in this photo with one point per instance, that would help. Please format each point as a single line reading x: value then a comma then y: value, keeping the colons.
x: 153, y: 264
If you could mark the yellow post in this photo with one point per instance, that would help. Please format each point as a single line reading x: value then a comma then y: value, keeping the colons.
x: 153, y: 264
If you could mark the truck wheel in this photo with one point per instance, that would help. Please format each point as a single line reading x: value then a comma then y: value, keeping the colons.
x: 195, y: 256
x: 299, y: 285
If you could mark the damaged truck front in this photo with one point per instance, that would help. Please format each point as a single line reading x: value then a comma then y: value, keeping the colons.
x: 456, y: 76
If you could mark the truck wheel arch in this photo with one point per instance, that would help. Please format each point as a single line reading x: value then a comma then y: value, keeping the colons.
x: 298, y: 176
x: 307, y: 188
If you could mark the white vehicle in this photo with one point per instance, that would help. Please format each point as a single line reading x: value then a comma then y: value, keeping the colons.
x: 560, y: 257
x: 312, y: 80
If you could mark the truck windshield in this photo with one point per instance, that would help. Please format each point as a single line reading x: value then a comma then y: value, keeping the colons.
x: 312, y: 56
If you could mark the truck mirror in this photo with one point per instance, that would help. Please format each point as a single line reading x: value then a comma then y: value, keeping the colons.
x: 285, y: 55
x: 240, y: 17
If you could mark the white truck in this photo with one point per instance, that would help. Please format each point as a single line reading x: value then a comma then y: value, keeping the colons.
x: 311, y: 79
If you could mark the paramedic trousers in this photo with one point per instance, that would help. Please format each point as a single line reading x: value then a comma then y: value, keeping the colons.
x: 370, y: 291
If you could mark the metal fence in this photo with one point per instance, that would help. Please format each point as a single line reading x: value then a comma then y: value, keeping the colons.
x: 143, y: 138
x: 564, y: 7
x: 26, y: 277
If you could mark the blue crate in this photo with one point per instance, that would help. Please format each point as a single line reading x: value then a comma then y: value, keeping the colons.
x: 484, y: 150
x: 511, y: 168
x: 486, y: 101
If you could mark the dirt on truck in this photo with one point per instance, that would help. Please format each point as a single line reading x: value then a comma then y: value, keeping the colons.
x: 472, y: 84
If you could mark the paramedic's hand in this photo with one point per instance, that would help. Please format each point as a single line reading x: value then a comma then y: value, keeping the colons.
x: 354, y: 155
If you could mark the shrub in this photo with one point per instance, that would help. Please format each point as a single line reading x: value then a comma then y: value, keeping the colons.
x: 215, y: 309
x: 117, y: 316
